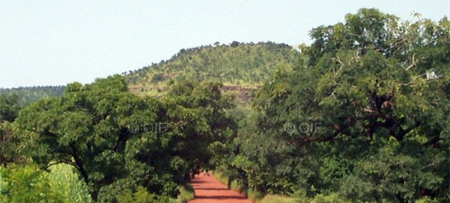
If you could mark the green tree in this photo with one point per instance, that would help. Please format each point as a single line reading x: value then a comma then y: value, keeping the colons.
x: 9, y: 143
x: 9, y: 107
x: 86, y: 128
x: 206, y: 102
x: 373, y: 93
x: 118, y: 141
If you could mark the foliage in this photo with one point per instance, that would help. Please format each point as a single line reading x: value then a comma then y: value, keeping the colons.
x: 237, y: 64
x: 373, y: 93
x: 278, y: 199
x: 9, y: 107
x: 67, y: 183
x: 28, y: 95
x: 207, y: 100
x: 186, y: 193
x: 141, y: 196
x: 118, y: 141
x: 9, y: 143
x: 26, y: 184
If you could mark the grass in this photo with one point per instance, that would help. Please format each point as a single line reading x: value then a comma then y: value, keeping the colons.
x: 255, y: 196
x: 186, y: 193
x: 252, y: 195
x: 277, y: 199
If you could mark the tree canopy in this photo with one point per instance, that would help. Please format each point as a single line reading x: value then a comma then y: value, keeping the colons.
x: 374, y: 93
x: 9, y: 109
x: 119, y: 141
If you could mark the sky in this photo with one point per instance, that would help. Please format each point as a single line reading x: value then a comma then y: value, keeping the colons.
x: 58, y: 42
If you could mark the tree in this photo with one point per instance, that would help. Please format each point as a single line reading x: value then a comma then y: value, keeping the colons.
x: 118, y: 141
x: 9, y: 108
x: 207, y: 103
x: 81, y: 129
x: 88, y: 128
x: 362, y: 85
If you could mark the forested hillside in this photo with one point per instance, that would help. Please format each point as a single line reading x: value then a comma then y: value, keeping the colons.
x: 31, y: 94
x: 239, y: 66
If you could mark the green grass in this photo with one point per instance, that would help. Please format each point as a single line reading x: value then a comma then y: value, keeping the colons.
x: 186, y: 193
x: 277, y: 199
x: 255, y: 196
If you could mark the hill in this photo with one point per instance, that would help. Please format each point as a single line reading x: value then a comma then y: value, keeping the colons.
x: 241, y: 67
x: 30, y: 94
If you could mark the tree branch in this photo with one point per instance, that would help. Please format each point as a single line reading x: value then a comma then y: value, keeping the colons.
x: 432, y: 141
x: 79, y: 164
x: 403, y: 132
x: 413, y: 62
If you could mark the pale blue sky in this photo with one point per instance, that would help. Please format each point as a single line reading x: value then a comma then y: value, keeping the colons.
x: 57, y: 42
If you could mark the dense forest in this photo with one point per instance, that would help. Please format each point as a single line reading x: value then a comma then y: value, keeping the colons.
x: 360, y: 115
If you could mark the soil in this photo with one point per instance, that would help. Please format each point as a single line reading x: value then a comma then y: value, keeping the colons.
x: 209, y: 190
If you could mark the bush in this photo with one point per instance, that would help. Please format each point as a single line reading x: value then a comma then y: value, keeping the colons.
x: 186, y: 193
x: 141, y: 196
x: 332, y: 198
x: 66, y: 181
x: 27, y: 184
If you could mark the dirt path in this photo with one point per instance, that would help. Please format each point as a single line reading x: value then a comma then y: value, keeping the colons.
x: 209, y: 190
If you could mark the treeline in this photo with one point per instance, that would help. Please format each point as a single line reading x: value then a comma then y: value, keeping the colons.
x: 31, y: 94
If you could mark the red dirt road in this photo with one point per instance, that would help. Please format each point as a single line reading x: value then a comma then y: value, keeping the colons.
x: 209, y: 190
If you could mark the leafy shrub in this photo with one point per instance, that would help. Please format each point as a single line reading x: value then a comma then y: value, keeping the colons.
x: 332, y: 198
x: 141, y: 196
x: 67, y: 182
x: 27, y: 184
x: 186, y: 193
